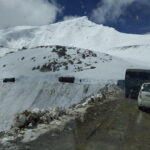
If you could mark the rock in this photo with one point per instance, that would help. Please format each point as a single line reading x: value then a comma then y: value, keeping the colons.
x: 29, y: 119
x: 33, y: 118
x: 20, y: 121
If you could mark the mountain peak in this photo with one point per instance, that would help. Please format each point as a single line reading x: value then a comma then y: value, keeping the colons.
x: 78, y: 21
x: 83, y: 18
x: 78, y: 32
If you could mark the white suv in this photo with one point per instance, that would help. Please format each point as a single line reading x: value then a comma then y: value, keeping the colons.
x: 144, y: 96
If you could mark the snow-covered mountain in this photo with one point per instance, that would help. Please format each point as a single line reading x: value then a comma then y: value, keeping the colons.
x: 79, y: 32
x: 93, y: 54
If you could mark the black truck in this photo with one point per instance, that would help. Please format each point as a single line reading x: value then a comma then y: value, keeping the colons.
x: 67, y: 79
x: 134, y: 78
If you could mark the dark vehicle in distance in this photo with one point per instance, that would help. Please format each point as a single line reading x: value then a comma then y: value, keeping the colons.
x: 67, y: 79
x: 134, y: 78
x: 8, y: 80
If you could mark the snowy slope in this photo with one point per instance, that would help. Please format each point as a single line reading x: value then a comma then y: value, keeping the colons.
x: 62, y: 60
x: 78, y: 32
x: 28, y: 93
x: 135, y: 52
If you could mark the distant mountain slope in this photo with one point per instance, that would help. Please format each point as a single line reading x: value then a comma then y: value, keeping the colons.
x: 78, y: 32
x: 134, y: 52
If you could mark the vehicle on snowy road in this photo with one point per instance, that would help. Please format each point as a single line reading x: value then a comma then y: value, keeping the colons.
x: 144, y: 96
x: 134, y: 78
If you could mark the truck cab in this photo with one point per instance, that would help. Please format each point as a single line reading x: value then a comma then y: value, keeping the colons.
x: 134, y: 78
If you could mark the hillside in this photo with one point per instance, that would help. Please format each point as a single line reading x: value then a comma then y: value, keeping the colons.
x: 37, y: 71
x: 61, y: 60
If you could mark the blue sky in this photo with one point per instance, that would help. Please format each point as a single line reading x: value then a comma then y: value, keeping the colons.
x: 135, y: 17
x: 128, y: 16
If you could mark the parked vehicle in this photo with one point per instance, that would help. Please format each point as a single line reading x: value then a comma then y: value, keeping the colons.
x: 66, y: 79
x: 144, y: 96
x: 134, y: 78
x: 5, y: 80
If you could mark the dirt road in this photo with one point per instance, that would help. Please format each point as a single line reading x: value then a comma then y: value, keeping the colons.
x: 126, y: 128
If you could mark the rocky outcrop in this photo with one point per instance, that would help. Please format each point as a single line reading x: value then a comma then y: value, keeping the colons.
x: 36, y: 116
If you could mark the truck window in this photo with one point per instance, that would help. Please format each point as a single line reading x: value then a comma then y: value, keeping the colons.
x: 133, y: 81
x: 144, y: 76
x: 134, y: 75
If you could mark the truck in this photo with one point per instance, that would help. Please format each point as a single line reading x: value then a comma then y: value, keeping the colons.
x: 134, y: 78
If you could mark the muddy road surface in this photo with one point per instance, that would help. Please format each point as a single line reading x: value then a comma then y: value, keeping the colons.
x: 117, y: 125
x: 126, y: 128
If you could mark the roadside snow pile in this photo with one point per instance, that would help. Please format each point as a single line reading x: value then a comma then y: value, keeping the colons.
x: 36, y: 116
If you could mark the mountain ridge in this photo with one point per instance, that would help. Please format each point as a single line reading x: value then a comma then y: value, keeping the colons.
x: 78, y: 32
